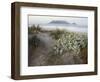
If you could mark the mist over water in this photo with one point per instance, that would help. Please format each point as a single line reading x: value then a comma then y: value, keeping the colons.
x: 76, y: 24
x: 69, y: 28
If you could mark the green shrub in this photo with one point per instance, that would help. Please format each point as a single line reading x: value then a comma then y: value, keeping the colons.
x: 34, y: 41
x: 70, y: 42
x: 34, y: 29
x: 56, y: 34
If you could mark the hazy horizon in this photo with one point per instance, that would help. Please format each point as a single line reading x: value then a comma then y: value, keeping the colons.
x: 42, y: 20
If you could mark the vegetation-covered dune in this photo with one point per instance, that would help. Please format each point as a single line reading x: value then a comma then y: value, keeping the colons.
x: 56, y: 47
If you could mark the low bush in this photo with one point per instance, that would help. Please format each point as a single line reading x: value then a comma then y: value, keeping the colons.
x: 70, y: 42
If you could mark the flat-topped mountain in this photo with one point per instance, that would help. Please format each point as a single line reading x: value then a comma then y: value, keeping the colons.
x: 59, y: 22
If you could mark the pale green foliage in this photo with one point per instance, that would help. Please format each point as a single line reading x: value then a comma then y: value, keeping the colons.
x: 34, y: 29
x: 56, y: 34
x: 70, y: 42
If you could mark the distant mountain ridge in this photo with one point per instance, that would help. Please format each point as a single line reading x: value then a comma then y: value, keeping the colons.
x: 59, y: 22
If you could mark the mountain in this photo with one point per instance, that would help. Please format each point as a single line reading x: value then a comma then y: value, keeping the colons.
x: 58, y: 22
x: 74, y: 23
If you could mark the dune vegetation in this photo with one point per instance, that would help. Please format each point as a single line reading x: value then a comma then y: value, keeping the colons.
x: 65, y: 45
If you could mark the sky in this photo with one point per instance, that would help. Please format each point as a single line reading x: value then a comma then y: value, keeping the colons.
x: 39, y: 19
